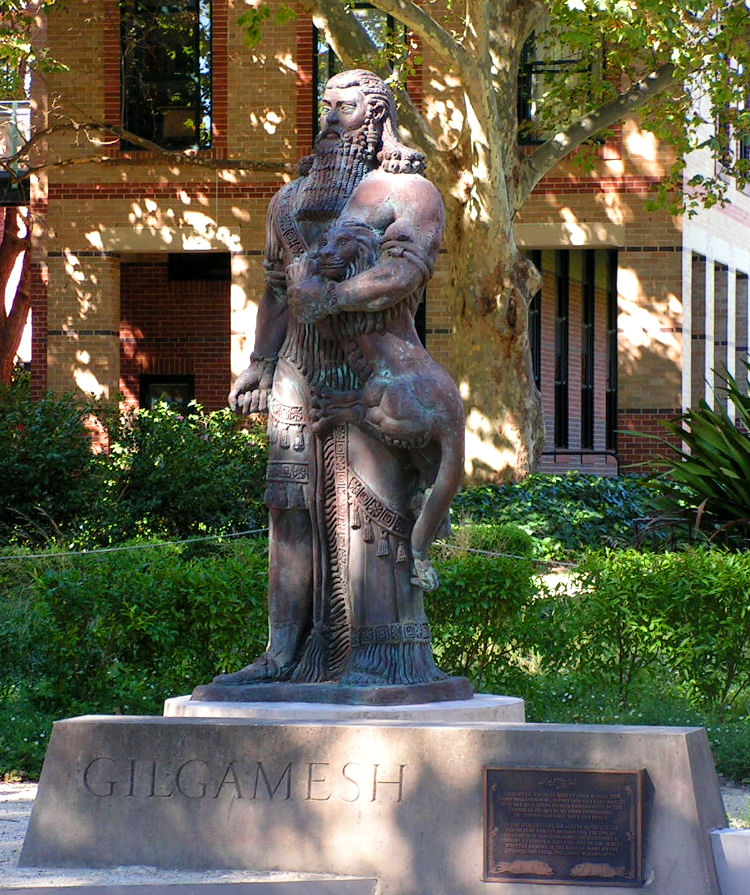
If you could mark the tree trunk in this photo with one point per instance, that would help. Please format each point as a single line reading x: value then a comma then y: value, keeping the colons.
x: 493, y: 284
x: 13, y: 321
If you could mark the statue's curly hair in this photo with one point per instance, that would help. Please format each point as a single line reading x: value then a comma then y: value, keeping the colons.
x: 394, y: 156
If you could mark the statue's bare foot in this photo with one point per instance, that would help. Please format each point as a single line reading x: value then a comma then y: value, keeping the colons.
x: 425, y: 575
x: 264, y: 668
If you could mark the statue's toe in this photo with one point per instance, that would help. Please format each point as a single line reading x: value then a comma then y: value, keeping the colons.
x: 264, y: 668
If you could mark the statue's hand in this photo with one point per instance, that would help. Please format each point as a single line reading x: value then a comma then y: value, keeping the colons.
x: 312, y: 300
x: 425, y: 575
x: 252, y: 387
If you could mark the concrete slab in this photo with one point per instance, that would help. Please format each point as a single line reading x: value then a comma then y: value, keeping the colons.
x: 482, y: 707
x: 398, y: 801
x: 282, y: 887
x: 732, y: 856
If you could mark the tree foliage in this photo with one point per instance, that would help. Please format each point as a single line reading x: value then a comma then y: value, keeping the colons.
x: 677, y: 65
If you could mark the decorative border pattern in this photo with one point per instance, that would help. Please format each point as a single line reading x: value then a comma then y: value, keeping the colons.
x: 391, y: 634
x: 279, y: 471
x: 375, y: 510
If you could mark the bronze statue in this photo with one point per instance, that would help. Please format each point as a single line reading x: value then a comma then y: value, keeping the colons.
x: 365, y: 429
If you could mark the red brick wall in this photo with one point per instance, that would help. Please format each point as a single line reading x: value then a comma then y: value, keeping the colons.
x: 39, y: 281
x: 174, y: 328
x: 637, y: 449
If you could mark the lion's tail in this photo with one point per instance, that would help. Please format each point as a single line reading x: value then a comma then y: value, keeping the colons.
x: 439, y: 498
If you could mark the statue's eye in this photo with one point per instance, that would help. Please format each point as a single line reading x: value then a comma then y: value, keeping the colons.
x: 343, y: 241
x: 348, y: 107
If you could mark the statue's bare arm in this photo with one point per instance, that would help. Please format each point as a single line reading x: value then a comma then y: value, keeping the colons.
x: 410, y: 244
x: 252, y: 387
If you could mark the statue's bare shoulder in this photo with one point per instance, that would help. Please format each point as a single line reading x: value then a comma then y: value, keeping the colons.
x: 383, y: 198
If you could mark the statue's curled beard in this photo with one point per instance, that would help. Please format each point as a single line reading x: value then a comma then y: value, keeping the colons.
x: 337, y: 169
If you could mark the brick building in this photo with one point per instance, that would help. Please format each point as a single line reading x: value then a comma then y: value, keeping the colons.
x: 146, y: 270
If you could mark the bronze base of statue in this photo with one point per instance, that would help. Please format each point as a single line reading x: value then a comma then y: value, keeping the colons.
x: 445, y: 690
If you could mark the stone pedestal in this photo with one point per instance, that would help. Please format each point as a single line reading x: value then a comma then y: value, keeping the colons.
x: 399, y: 799
x: 482, y: 707
x: 732, y: 856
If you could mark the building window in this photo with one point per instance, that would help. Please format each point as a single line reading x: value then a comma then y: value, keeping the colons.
x: 725, y: 156
x: 542, y: 60
x: 175, y: 390
x: 388, y: 35
x: 15, y: 131
x: 587, y: 350
x: 166, y: 72
x: 192, y: 266
x: 698, y: 329
x: 562, y: 340
x: 611, y: 396
x: 535, y: 323
x: 740, y: 330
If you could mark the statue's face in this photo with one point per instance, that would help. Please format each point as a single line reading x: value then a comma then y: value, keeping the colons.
x: 344, y: 111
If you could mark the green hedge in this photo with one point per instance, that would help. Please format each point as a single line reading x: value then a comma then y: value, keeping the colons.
x: 564, y: 513
x: 165, y: 475
x: 119, y: 632
x: 633, y: 638
x: 687, y: 612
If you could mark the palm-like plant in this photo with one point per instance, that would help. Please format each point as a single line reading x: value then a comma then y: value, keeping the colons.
x: 708, y: 476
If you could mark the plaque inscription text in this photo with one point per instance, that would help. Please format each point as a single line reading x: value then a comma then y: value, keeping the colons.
x: 564, y: 826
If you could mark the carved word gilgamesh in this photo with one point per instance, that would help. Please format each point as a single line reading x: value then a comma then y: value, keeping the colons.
x: 196, y: 778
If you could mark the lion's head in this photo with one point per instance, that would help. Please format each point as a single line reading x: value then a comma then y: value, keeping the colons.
x: 349, y: 248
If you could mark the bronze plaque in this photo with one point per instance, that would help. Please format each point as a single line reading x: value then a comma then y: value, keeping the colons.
x: 564, y: 826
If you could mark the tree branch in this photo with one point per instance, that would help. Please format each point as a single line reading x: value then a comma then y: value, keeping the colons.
x: 430, y: 32
x: 352, y: 44
x: 543, y: 159
x: 185, y: 157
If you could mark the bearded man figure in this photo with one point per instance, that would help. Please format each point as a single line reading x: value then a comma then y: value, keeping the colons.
x: 345, y: 604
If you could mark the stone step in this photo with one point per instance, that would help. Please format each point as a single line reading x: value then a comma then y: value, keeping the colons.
x: 266, y: 887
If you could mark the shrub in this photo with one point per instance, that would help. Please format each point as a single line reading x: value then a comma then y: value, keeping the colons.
x: 117, y: 632
x: 171, y: 475
x: 563, y: 513
x: 165, y: 475
x: 687, y: 611
x: 48, y: 471
x: 504, y: 538
x: 477, y: 613
x: 708, y: 482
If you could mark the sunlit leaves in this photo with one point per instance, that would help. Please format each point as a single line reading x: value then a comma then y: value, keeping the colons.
x: 18, y: 54
x: 253, y: 19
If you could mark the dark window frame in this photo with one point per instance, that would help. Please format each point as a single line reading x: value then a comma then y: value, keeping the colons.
x: 148, y: 382
x: 535, y: 323
x: 146, y: 99
x: 611, y: 395
x: 530, y: 69
x: 588, y: 349
x: 185, y: 267
x: 562, y: 348
x: 15, y: 124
